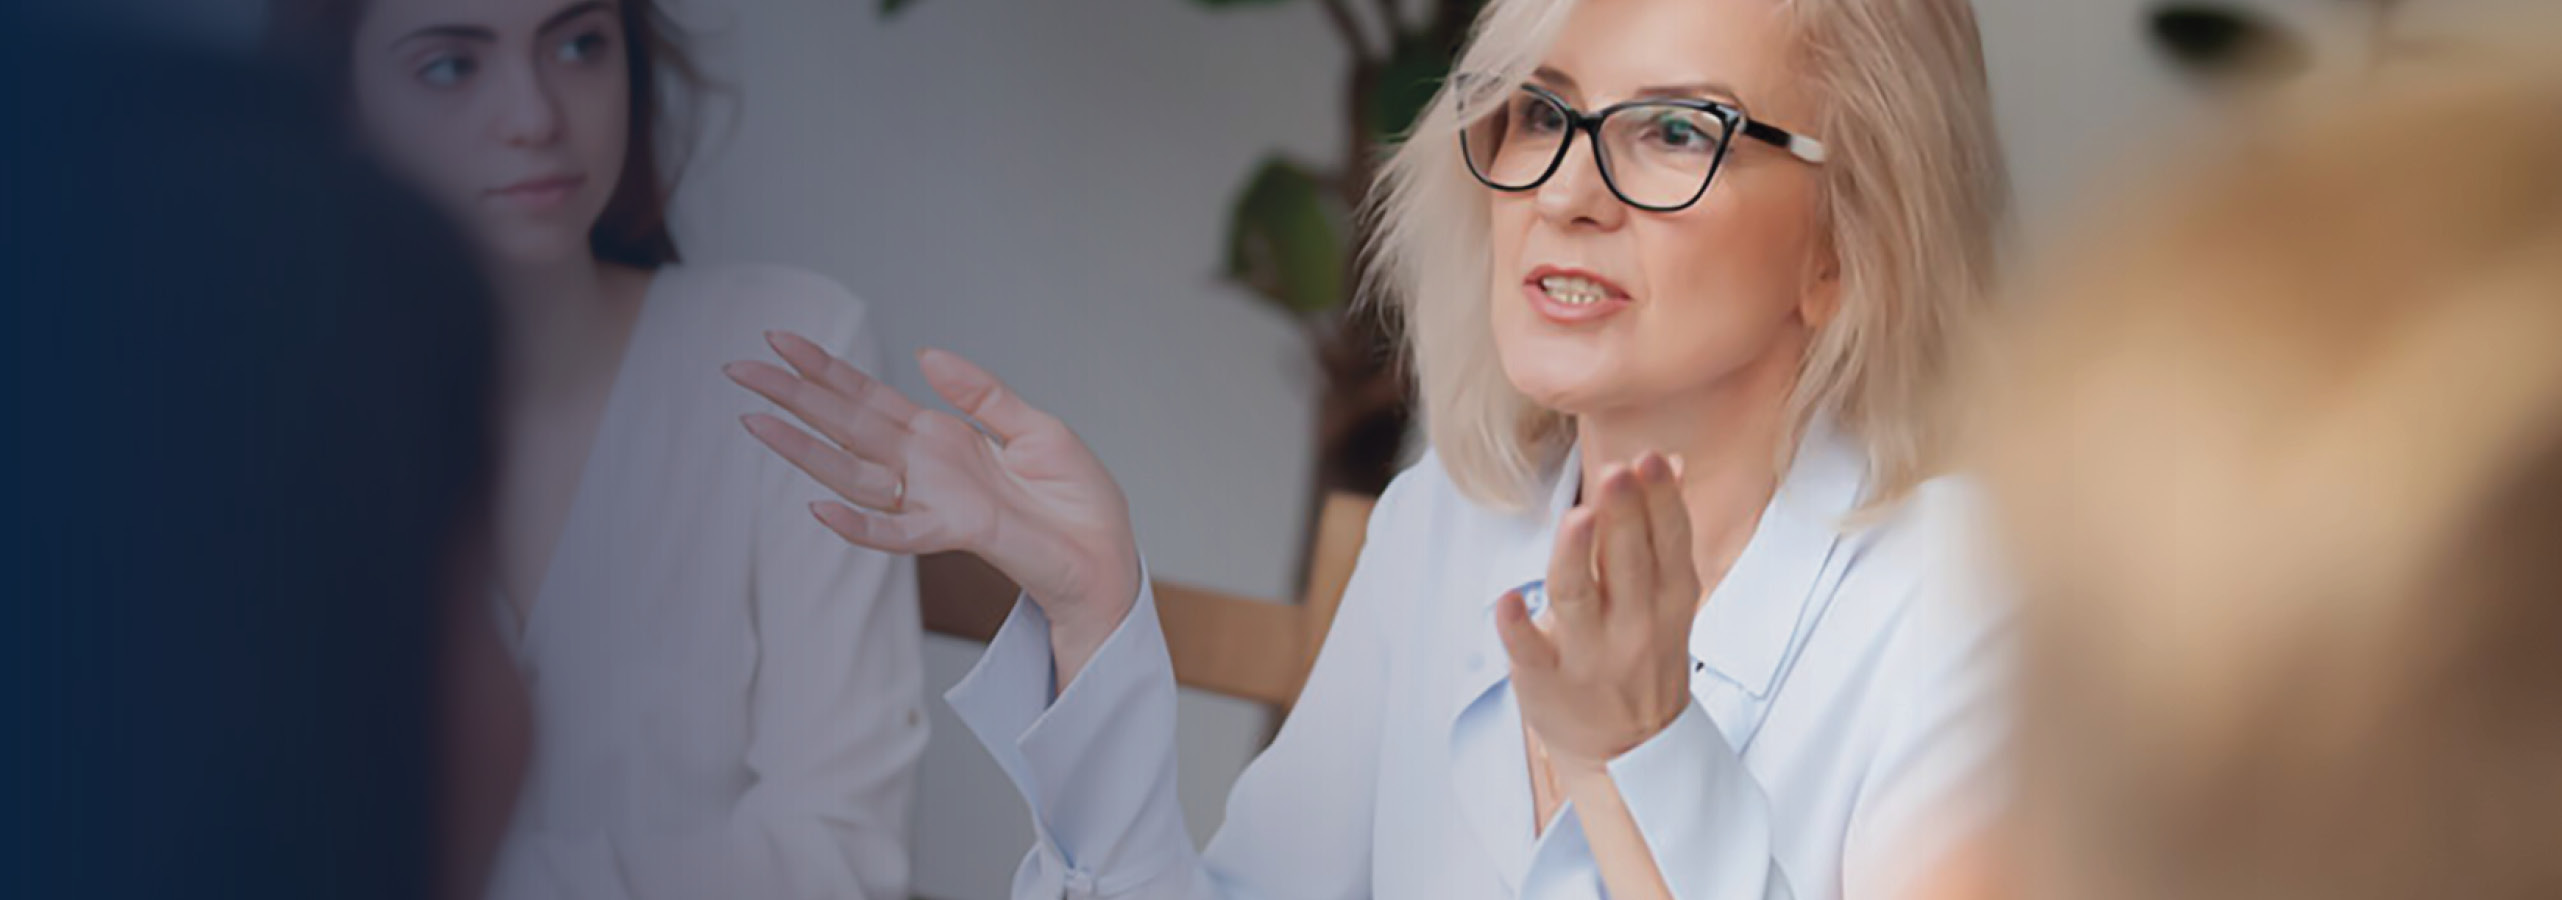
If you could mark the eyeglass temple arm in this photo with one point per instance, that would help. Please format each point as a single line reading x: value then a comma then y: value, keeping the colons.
x: 1797, y: 145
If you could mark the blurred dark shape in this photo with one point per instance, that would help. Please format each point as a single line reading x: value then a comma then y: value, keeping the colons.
x: 246, y: 381
x: 2227, y: 46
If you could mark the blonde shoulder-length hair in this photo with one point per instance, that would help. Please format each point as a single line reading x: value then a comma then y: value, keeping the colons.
x: 1912, y: 192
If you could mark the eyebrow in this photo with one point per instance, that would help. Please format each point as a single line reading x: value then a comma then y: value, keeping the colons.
x: 484, y: 33
x: 1685, y: 89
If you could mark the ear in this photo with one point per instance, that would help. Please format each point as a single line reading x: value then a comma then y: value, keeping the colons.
x: 1822, y: 296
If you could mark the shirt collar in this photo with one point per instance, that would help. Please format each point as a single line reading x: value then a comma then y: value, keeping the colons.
x: 1748, y: 625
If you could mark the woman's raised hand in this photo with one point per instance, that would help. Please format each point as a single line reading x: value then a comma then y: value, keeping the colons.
x: 1607, y: 667
x: 1026, y: 495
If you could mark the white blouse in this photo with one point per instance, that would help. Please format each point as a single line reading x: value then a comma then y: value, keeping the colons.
x: 1844, y: 687
x: 726, y: 695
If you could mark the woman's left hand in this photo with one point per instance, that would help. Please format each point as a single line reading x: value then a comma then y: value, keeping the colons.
x: 1607, y: 667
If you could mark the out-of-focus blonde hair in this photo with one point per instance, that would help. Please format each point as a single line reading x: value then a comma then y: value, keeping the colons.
x: 1912, y: 193
x: 2279, y: 468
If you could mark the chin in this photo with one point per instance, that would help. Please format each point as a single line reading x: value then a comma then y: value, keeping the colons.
x: 1566, y: 373
x: 1562, y: 385
x: 536, y: 246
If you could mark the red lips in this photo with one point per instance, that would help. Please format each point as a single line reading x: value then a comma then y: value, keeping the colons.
x: 541, y: 193
x: 1606, y: 297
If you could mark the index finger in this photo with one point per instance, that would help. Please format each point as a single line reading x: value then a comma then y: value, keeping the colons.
x: 816, y: 364
x: 1628, y: 582
x: 1668, y: 519
x: 1574, y: 599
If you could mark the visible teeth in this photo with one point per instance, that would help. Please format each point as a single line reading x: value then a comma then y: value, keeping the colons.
x: 1574, y: 291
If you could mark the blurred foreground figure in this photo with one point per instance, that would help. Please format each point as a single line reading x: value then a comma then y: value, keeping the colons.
x: 2280, y: 468
x: 245, y: 381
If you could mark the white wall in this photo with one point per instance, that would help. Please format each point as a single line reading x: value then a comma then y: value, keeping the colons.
x: 2075, y: 89
x: 1040, y: 186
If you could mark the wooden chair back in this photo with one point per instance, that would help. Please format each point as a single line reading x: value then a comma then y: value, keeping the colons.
x: 1224, y: 643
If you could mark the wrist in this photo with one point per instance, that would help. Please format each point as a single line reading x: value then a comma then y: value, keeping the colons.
x: 1099, y: 604
x: 1095, y: 610
x: 1079, y: 635
x: 1600, y: 762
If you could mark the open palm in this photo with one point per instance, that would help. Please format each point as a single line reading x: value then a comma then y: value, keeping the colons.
x: 1026, y: 495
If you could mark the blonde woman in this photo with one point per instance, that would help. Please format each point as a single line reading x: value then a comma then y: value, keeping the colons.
x: 2282, y: 468
x: 1674, y: 272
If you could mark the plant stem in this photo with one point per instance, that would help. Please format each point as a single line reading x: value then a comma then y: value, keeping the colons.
x: 1341, y: 15
x: 1450, y: 19
x: 1396, y: 23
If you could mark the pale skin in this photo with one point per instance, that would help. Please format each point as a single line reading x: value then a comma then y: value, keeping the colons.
x: 511, y: 117
x: 1679, y: 402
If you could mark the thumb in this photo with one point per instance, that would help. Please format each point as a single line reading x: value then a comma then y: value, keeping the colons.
x: 1529, y: 647
x: 980, y: 395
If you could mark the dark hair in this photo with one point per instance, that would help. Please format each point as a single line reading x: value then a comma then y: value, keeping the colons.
x: 257, y: 373
x: 317, y: 37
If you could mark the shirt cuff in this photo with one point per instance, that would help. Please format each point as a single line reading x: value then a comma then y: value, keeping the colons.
x: 1705, y: 820
x: 1096, y: 765
x: 1562, y: 866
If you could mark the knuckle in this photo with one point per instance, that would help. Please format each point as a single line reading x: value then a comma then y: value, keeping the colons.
x: 989, y: 394
x: 793, y: 393
x: 938, y: 426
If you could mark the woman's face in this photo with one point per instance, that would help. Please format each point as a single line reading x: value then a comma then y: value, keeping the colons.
x: 511, y: 114
x: 1690, y: 298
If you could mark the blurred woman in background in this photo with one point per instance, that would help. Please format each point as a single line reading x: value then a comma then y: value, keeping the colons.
x: 2280, y: 468
x: 725, y: 696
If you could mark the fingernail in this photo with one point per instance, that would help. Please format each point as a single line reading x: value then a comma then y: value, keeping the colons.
x: 730, y: 369
x: 774, y: 339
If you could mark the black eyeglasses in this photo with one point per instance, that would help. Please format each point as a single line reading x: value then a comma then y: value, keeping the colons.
x: 1655, y: 154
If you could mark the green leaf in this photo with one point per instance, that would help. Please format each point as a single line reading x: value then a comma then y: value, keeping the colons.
x: 891, y: 7
x: 1226, y: 4
x: 1286, y: 236
x: 1405, y: 86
